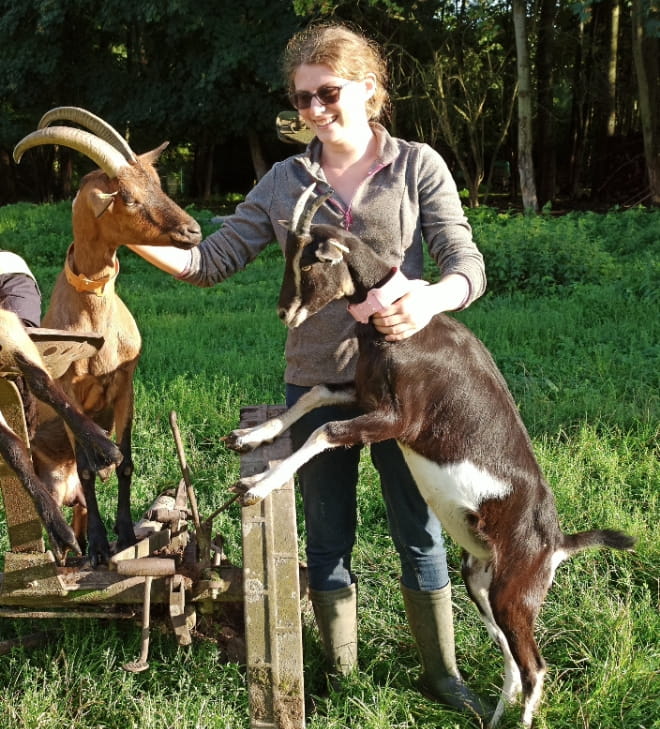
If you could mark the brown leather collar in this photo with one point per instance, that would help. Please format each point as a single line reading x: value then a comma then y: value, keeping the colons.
x: 82, y: 284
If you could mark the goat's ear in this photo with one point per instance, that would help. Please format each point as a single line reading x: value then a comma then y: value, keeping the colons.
x: 152, y: 157
x: 331, y: 251
x: 286, y: 224
x: 101, y: 202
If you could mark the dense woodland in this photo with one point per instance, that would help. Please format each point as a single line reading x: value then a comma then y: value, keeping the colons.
x: 532, y: 103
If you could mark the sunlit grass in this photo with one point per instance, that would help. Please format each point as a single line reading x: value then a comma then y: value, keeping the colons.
x: 582, y: 363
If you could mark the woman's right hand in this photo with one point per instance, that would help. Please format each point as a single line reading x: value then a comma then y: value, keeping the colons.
x: 170, y: 259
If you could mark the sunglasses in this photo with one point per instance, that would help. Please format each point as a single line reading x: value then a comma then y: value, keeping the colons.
x: 326, y: 95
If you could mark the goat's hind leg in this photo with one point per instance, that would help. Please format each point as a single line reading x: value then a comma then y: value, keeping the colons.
x: 478, y: 575
x: 98, y: 547
x: 515, y: 613
x: 509, y: 602
x: 244, y: 440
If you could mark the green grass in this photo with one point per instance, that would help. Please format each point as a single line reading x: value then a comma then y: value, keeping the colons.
x: 578, y: 345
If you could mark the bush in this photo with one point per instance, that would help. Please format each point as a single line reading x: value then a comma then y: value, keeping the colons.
x: 541, y: 255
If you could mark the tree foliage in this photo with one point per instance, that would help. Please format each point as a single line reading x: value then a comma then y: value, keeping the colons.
x: 209, y: 80
x: 154, y: 70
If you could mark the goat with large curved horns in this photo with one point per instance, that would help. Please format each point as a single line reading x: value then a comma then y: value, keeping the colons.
x: 120, y: 203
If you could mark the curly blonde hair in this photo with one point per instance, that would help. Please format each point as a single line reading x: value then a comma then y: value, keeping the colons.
x: 346, y: 52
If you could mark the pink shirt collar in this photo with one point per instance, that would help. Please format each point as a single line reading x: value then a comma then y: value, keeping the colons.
x: 378, y: 299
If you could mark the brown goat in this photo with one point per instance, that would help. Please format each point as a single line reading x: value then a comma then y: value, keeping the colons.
x: 19, y: 355
x: 120, y: 203
x: 441, y: 396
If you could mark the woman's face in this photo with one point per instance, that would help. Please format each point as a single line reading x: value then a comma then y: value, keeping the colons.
x: 343, y: 120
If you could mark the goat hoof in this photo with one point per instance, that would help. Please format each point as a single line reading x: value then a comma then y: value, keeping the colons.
x: 249, y: 499
x: 62, y: 540
x: 234, y: 441
x: 106, y: 454
x: 246, y: 497
x: 60, y: 550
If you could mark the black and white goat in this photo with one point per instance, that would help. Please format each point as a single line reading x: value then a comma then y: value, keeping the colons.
x: 441, y: 396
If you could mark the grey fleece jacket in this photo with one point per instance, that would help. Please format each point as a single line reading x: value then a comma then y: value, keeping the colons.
x: 409, y: 197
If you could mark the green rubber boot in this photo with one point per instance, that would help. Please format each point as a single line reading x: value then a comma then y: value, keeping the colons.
x: 336, y: 616
x: 431, y: 621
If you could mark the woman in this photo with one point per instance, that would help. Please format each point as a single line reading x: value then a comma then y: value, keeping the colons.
x: 393, y: 194
x: 19, y: 291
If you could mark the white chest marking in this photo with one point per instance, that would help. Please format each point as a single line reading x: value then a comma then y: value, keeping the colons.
x: 451, y: 491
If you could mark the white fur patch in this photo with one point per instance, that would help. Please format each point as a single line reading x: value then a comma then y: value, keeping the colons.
x: 480, y: 577
x: 451, y: 491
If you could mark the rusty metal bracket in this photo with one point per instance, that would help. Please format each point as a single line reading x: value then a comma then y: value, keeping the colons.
x: 149, y: 568
x: 182, y: 617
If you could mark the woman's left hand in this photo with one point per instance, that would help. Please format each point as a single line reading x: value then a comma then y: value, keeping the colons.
x: 415, y: 310
x: 406, y: 316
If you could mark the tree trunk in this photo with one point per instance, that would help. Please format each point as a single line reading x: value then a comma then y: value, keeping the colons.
x: 7, y: 179
x: 545, y: 135
x: 203, y: 171
x: 525, y: 157
x: 66, y: 173
x: 207, y: 173
x: 603, y: 62
x: 258, y: 161
x: 645, y: 55
x: 578, y: 119
x: 612, y: 68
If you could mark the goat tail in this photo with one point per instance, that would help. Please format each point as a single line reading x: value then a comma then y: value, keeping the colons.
x: 596, y: 538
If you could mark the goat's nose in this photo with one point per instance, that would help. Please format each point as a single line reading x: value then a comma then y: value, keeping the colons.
x: 194, y: 229
x: 187, y: 234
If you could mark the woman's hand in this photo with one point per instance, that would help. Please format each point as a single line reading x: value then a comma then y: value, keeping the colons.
x: 415, y: 310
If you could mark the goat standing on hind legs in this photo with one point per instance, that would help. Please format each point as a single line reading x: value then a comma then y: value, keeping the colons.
x: 120, y: 203
x: 441, y: 396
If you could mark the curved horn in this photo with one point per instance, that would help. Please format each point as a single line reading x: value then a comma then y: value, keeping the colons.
x: 90, y: 121
x: 305, y: 210
x: 310, y: 211
x: 301, y: 202
x: 98, y: 150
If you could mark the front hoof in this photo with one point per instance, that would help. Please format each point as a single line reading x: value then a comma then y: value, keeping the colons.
x: 250, y: 499
x: 247, y: 497
x: 60, y: 549
x: 234, y: 441
x: 62, y: 540
x: 106, y: 454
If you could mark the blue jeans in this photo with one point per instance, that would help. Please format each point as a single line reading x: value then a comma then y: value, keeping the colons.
x: 328, y: 486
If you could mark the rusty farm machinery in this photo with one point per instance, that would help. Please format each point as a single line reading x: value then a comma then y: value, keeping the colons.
x: 176, y: 568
